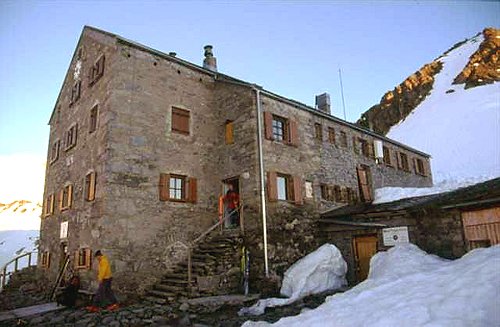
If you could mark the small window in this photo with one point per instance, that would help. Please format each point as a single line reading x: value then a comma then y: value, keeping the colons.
x: 343, y: 139
x: 71, y: 136
x: 229, y: 132
x: 337, y: 191
x: 318, y: 132
x: 283, y: 187
x: 96, y: 71
x: 48, y: 208
x: 309, y: 189
x: 327, y: 192
x: 387, y: 156
x: 403, y: 162
x: 83, y: 259
x: 94, y: 112
x: 90, y: 183
x: 280, y: 129
x: 45, y: 259
x: 75, y: 92
x: 355, y: 145
x: 331, y: 135
x: 54, y: 151
x: 352, y: 196
x: 66, y: 197
x: 365, y: 147
x: 180, y: 121
x: 177, y: 187
x: 419, y: 166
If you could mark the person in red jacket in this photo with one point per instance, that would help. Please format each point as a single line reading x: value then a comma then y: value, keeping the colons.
x: 232, y: 203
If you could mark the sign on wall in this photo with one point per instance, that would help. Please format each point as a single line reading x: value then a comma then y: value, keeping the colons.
x: 64, y: 229
x: 395, y: 235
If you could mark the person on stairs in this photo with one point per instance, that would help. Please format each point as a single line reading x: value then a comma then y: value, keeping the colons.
x: 105, y: 296
x: 232, y: 203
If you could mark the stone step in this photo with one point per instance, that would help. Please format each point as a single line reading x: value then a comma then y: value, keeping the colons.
x: 204, y: 256
x: 162, y: 294
x: 176, y: 289
x: 174, y: 275
x: 212, y: 251
x: 176, y: 281
x: 155, y: 300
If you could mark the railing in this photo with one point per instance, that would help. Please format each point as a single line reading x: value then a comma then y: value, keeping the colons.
x: 4, y: 274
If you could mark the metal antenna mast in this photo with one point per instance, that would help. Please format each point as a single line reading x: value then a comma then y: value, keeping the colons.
x: 342, y: 92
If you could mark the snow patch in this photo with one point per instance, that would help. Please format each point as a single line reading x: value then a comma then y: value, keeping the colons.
x: 319, y: 271
x: 408, y: 287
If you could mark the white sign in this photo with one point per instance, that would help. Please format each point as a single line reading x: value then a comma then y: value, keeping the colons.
x: 64, y: 229
x: 395, y: 235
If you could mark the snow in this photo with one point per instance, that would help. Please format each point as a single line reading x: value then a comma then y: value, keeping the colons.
x: 319, y: 271
x: 408, y: 287
x: 460, y: 130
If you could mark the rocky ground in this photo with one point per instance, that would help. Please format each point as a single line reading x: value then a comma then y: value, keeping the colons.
x: 208, y: 313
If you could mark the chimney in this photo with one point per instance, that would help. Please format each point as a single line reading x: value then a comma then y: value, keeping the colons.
x: 323, y: 103
x: 210, y: 62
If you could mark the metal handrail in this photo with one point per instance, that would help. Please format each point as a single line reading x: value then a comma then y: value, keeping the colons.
x: 4, y: 274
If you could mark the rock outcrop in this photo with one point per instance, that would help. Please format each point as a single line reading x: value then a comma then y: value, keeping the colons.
x: 482, y: 67
x: 398, y: 103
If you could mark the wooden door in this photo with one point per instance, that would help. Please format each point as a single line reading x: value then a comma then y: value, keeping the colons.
x: 482, y: 227
x: 364, y: 249
x: 364, y: 182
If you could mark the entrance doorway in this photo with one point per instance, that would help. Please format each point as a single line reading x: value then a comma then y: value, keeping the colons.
x: 365, y: 183
x: 364, y: 249
x: 63, y: 253
x: 226, y: 207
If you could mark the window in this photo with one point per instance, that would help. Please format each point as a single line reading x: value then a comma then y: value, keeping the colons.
x: 284, y: 187
x: 366, y: 148
x: 343, y: 139
x: 419, y: 166
x: 352, y: 195
x: 75, y: 92
x: 337, y: 191
x: 180, y: 121
x: 83, y: 259
x: 229, y: 132
x: 280, y: 129
x: 387, y: 156
x: 90, y: 182
x: 309, y: 189
x: 94, y: 112
x: 355, y: 145
x: 48, y: 208
x: 331, y: 135
x: 45, y: 259
x: 318, y: 132
x: 403, y: 162
x: 96, y: 71
x: 54, y: 151
x: 71, y: 136
x: 327, y: 192
x: 177, y: 188
x: 66, y: 197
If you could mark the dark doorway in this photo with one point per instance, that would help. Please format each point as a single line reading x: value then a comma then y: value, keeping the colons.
x: 235, y: 182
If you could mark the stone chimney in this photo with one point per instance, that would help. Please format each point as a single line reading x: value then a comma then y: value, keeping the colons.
x: 210, y: 62
x: 323, y: 103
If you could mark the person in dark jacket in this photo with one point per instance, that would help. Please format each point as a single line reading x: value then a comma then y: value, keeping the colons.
x: 70, y: 293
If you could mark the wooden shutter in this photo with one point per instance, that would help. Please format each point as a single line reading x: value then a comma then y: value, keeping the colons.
x: 51, y: 208
x: 70, y: 195
x: 371, y: 150
x: 268, y: 125
x: 415, y: 168
x: 48, y: 259
x: 297, y: 190
x: 91, y: 195
x: 88, y: 259
x: 229, y: 132
x: 163, y: 187
x: 364, y: 184
x: 61, y: 197
x: 272, y: 187
x: 180, y: 120
x: 193, y: 190
x: 77, y: 259
x: 100, y: 66
x: 294, y: 133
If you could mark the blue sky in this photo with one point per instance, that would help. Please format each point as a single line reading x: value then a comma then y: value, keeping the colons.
x: 292, y: 48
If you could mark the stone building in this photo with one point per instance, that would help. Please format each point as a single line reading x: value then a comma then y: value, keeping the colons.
x: 142, y: 145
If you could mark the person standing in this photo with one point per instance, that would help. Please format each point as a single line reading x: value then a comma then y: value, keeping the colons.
x: 232, y: 203
x: 105, y: 295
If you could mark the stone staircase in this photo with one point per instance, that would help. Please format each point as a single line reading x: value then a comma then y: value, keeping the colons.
x: 215, y: 267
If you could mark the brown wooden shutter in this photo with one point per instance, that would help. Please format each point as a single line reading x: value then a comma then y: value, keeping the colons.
x: 229, y: 132
x: 70, y: 195
x: 415, y: 168
x: 193, y: 190
x: 51, y: 204
x: 91, y: 196
x: 297, y: 190
x: 272, y: 187
x: 100, y: 66
x: 268, y: 125
x: 48, y: 259
x: 371, y: 150
x: 364, y: 184
x: 61, y: 197
x: 398, y: 160
x: 163, y: 187
x: 77, y: 259
x: 88, y: 259
x: 294, y: 133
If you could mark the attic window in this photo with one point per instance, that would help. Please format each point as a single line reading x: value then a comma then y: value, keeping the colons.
x: 331, y: 135
x: 403, y: 162
x: 96, y: 71
x: 318, y: 131
x: 419, y: 166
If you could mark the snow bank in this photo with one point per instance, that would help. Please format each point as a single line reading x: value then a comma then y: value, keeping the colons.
x: 389, y: 194
x: 319, y: 271
x: 407, y: 287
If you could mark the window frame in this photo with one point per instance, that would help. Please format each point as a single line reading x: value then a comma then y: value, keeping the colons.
x: 55, y: 151
x: 183, y: 113
x: 71, y: 137
x: 76, y: 91
x: 419, y: 167
x: 404, y: 165
x: 343, y: 139
x: 66, y: 197
x: 284, y: 136
x: 97, y: 70
x: 83, y: 258
x: 182, y: 188
x: 387, y: 156
x: 288, y: 188
x: 93, y: 119
x: 331, y: 135
x: 48, y: 207
x: 318, y: 132
x: 90, y: 183
x: 45, y: 259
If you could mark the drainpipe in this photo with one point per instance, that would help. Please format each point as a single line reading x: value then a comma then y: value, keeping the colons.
x: 262, y: 181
